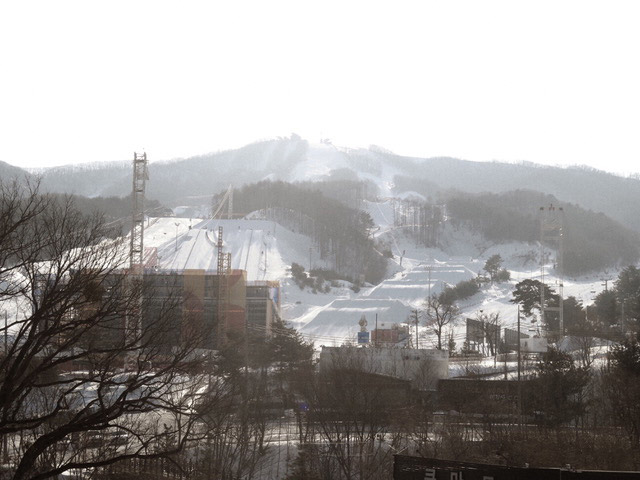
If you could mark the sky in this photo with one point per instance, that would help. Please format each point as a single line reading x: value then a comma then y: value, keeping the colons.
x: 551, y: 82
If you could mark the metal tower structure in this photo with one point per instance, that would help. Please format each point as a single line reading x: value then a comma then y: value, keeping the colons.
x: 140, y: 175
x: 551, y: 234
x: 224, y: 267
x: 133, y: 320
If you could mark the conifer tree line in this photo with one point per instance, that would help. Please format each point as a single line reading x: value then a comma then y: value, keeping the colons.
x: 350, y: 191
x: 341, y: 234
x: 592, y: 241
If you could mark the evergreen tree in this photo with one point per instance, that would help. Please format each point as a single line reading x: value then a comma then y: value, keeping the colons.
x: 606, y: 307
x: 492, y: 266
x: 623, y: 386
x: 560, y: 383
x: 527, y: 294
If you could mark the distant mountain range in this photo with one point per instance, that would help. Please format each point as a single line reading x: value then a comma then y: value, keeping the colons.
x: 192, y: 181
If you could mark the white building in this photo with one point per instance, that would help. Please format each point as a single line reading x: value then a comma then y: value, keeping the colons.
x: 423, y: 367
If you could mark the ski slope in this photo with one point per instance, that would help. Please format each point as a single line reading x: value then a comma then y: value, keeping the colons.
x: 266, y: 251
x: 256, y: 246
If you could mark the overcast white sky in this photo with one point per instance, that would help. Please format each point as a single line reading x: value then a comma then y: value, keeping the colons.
x: 554, y: 82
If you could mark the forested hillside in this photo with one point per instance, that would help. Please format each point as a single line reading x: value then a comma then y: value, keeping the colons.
x: 350, y: 192
x: 186, y: 181
x: 592, y: 241
x: 592, y: 189
x: 190, y: 181
x: 341, y: 233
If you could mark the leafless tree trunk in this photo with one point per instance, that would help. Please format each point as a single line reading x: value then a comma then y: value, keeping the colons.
x: 351, y: 418
x: 491, y: 324
x: 439, y: 315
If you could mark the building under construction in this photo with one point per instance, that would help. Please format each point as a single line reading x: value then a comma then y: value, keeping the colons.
x: 244, y: 306
x: 195, y: 273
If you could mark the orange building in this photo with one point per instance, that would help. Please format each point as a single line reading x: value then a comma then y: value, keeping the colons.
x: 243, y: 306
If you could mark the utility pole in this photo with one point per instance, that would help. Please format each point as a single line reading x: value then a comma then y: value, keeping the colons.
x: 415, y: 314
x: 519, y: 384
x: 497, y: 336
x: 376, y: 329
x: 5, y: 439
x: 429, y: 297
x: 518, y: 343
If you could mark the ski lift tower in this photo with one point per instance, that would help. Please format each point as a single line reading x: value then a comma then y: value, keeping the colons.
x: 551, y: 235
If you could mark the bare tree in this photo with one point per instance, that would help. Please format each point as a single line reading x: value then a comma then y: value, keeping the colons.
x: 350, y: 418
x: 585, y: 334
x: 490, y: 324
x: 66, y: 402
x: 439, y: 314
x: 235, y: 428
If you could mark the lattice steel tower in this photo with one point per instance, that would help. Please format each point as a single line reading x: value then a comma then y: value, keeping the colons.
x: 223, y: 271
x: 133, y: 319
x: 551, y: 234
x: 140, y: 175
